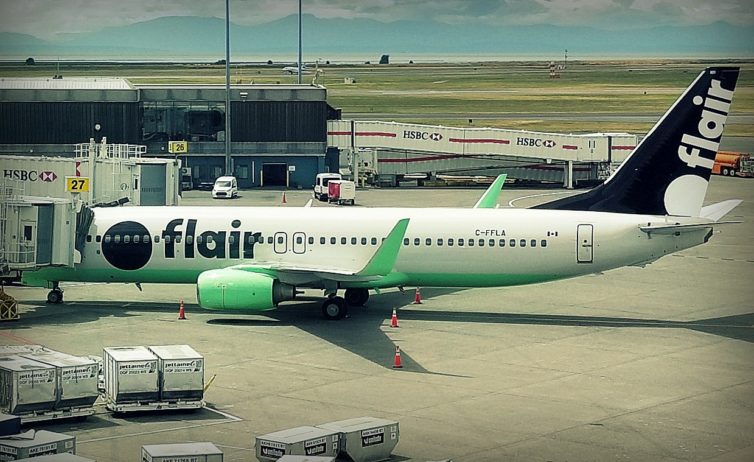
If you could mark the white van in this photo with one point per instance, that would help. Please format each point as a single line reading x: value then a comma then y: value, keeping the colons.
x: 320, y: 185
x: 226, y: 187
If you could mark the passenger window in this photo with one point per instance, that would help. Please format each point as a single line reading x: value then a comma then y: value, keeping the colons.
x: 178, y: 239
x: 311, y: 240
x: 299, y: 240
x: 190, y: 239
x: 460, y: 242
x: 98, y: 238
x: 269, y: 239
x: 481, y: 242
x: 333, y: 241
x: 168, y: 239
x: 126, y: 239
x: 210, y: 239
x: 363, y: 241
x: 533, y: 242
x: 322, y: 240
x: 231, y: 239
x: 156, y: 239
x: 88, y: 238
x: 137, y: 239
x: 116, y: 239
x: 280, y: 239
x: 471, y: 242
x: 199, y: 239
x: 146, y: 238
x: 107, y: 239
x: 523, y: 242
x: 417, y: 241
x: 450, y: 242
x: 343, y: 240
x: 354, y: 241
x: 543, y: 243
x: 502, y: 242
x: 405, y: 241
x: 492, y: 243
x: 428, y: 241
x: 374, y: 241
x: 439, y: 242
x: 512, y: 243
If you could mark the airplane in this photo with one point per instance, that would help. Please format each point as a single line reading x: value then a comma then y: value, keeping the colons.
x: 253, y: 258
x: 293, y: 70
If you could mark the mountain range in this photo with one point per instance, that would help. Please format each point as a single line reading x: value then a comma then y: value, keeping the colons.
x: 189, y: 36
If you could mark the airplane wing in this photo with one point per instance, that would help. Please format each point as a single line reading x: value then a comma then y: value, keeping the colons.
x: 489, y: 198
x: 380, y: 264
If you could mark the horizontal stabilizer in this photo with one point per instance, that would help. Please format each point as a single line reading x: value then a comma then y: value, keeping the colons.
x: 719, y: 210
x: 673, y: 228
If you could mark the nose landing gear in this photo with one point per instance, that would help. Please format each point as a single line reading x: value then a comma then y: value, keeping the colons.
x: 56, y: 294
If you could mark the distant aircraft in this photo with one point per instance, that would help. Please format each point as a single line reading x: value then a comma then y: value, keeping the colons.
x: 294, y: 70
x: 252, y: 258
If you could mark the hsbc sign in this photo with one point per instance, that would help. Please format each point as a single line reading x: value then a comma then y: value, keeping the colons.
x: 29, y: 175
x: 417, y: 135
x: 535, y: 142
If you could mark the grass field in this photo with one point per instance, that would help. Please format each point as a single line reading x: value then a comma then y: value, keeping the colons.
x: 495, y: 94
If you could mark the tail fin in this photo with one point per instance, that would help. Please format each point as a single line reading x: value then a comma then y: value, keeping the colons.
x: 668, y: 172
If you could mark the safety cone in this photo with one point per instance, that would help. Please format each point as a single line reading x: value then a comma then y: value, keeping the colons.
x: 284, y: 201
x: 397, y: 362
x: 394, y: 319
x: 418, y: 297
x: 181, y: 312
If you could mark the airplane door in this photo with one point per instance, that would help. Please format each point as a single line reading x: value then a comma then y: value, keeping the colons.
x: 281, y: 242
x: 299, y: 243
x: 584, y: 241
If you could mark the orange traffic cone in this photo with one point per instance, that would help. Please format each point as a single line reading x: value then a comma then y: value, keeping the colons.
x: 418, y: 297
x: 181, y: 312
x: 394, y: 319
x: 397, y: 362
x: 284, y: 201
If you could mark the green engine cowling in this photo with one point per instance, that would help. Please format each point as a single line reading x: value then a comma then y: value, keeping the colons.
x: 233, y: 289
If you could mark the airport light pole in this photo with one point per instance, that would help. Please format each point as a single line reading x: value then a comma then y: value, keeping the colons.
x: 299, y: 42
x: 228, y: 167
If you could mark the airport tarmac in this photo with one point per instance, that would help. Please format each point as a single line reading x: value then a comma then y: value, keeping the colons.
x: 642, y: 364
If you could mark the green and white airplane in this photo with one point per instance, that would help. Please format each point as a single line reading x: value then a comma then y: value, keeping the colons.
x: 253, y: 258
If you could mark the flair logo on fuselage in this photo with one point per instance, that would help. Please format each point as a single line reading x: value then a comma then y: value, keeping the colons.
x: 128, y: 245
x: 699, y: 151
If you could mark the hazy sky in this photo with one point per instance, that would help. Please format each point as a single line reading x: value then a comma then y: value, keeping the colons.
x: 46, y: 18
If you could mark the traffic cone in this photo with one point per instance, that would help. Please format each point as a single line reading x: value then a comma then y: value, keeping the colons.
x: 418, y: 297
x: 394, y: 319
x: 397, y: 362
x: 284, y: 201
x: 181, y: 312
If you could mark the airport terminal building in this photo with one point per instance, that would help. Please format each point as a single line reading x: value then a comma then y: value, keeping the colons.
x: 278, y: 132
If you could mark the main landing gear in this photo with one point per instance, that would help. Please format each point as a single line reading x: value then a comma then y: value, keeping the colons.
x: 335, y: 307
x: 56, y: 294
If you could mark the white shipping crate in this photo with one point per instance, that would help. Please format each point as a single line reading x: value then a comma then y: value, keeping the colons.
x: 366, y: 439
x: 130, y: 374
x: 301, y: 441
x: 76, y: 377
x: 181, y: 371
x: 181, y: 452
x: 36, y: 444
x: 26, y: 385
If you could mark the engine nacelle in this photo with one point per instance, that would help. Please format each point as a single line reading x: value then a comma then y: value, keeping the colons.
x: 241, y: 290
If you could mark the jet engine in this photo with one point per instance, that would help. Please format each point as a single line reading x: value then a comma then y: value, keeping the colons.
x: 235, y: 289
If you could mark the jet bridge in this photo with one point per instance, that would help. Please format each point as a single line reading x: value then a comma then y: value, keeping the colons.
x: 411, y: 150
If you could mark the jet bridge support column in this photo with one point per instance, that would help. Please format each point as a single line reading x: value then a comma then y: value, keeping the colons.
x: 568, y: 175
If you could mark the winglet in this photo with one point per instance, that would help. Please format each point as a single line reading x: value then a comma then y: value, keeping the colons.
x: 383, y: 260
x: 489, y: 198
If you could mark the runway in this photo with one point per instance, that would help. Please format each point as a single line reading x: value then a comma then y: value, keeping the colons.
x: 652, y: 363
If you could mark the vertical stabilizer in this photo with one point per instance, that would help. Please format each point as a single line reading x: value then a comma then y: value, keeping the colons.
x: 668, y: 172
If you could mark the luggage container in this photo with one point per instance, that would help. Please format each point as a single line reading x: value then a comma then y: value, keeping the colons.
x: 366, y: 439
x: 26, y: 385
x: 181, y: 371
x: 193, y: 452
x: 35, y: 444
x: 290, y: 458
x: 130, y: 375
x: 64, y: 457
x: 300, y: 441
x: 76, y: 377
x: 10, y: 350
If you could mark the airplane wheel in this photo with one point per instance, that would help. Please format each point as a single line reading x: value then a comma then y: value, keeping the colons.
x: 55, y: 296
x: 334, y: 308
x: 357, y: 297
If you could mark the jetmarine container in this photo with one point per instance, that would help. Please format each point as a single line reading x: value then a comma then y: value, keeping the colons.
x: 35, y: 444
x: 64, y: 457
x: 366, y: 439
x: 26, y: 385
x: 290, y: 458
x: 181, y: 372
x: 76, y: 377
x: 301, y: 441
x: 130, y: 374
x: 179, y: 452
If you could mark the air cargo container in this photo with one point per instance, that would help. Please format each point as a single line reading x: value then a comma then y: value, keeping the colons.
x: 64, y: 457
x: 76, y: 378
x: 181, y: 371
x: 193, y: 452
x: 341, y: 191
x: 33, y: 444
x: 130, y: 376
x: 301, y: 441
x: 365, y: 439
x: 26, y: 385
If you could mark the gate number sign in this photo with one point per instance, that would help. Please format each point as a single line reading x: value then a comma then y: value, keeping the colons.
x: 77, y: 184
